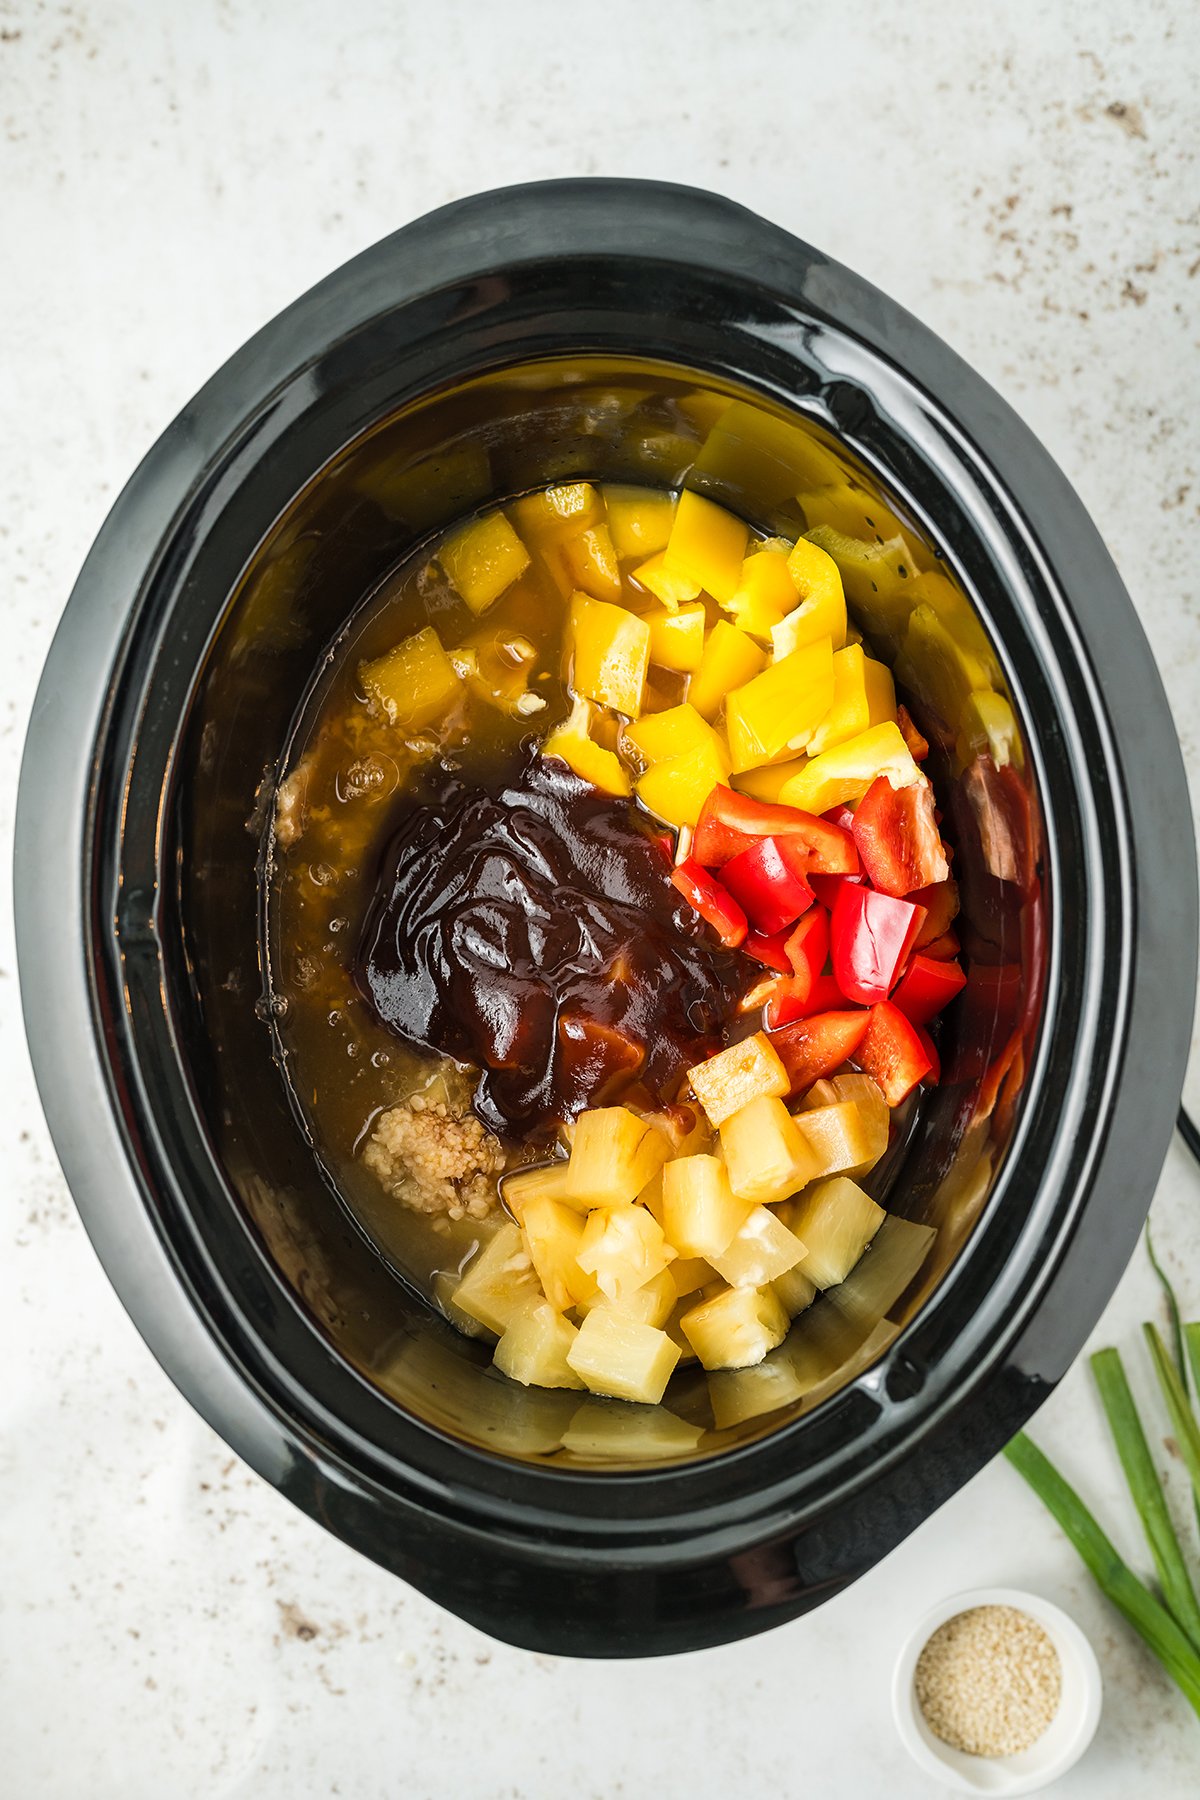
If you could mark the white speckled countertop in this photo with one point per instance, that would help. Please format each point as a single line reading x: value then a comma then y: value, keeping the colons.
x: 1026, y: 179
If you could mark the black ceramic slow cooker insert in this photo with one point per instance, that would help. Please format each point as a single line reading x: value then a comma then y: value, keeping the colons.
x: 516, y: 338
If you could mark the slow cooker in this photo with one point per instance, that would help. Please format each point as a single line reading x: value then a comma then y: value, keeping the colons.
x: 510, y: 339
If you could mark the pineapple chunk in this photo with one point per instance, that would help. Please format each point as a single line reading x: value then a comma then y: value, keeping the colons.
x: 533, y: 1349
x: 591, y: 563
x: 836, y: 1221
x: 781, y: 708
x: 730, y: 660
x: 841, y: 776
x: 707, y: 545
x: 639, y: 520
x: 700, y: 1211
x: 651, y: 1304
x: 842, y: 1138
x: 499, y: 1282
x: 571, y: 741
x: 736, y: 1328
x: 689, y: 1274
x: 622, y: 1436
x: 667, y: 585
x: 412, y: 683
x: 483, y: 559
x: 766, y: 1154
x: 726, y: 1082
x: 610, y: 652
x: 678, y: 731
x: 623, y: 1248
x: 546, y: 1182
x: 614, y: 1154
x: 677, y: 638
x: 553, y: 1237
x: 677, y: 788
x: 795, y: 1291
x: 765, y: 594
x: 621, y: 1357
x: 759, y: 1252
x: 874, y: 1111
x: 822, y: 609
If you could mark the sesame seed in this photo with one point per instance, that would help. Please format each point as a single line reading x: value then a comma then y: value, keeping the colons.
x: 989, y: 1681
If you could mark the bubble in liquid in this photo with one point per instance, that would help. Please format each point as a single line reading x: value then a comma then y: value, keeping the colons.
x: 338, y: 924
x: 335, y: 1017
x: 352, y: 1048
x: 322, y: 874
x: 380, y: 1059
x: 271, y: 1006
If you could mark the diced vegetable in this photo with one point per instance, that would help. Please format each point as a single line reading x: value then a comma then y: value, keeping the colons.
x: 677, y: 731
x: 770, y: 951
x: 917, y: 743
x: 726, y: 1082
x: 533, y: 1348
x: 836, y: 1221
x: 819, y: 1045
x: 847, y: 771
x: 499, y: 1282
x: 483, y: 559
x: 892, y: 1054
x: 614, y: 1153
x: 849, y: 714
x: 927, y: 985
x: 617, y: 1355
x: 707, y: 545
x: 557, y: 512
x: 677, y: 638
x: 735, y: 1329
x: 822, y: 609
x: 413, y: 683
x: 572, y: 742
x: 807, y: 947
x: 941, y: 909
x: 881, y: 692
x: 791, y: 998
x: 730, y: 660
x: 870, y: 935
x: 767, y: 884
x: 591, y: 562
x: 610, y: 652
x: 638, y: 522
x: 897, y: 837
x: 766, y: 1155
x: 677, y: 787
x: 553, y: 1233
x: 768, y: 783
x: 712, y: 901
x: 842, y: 1139
x: 759, y: 1252
x: 781, y: 708
x: 765, y: 593
x: 730, y: 821
x: 623, y: 1247
x: 666, y: 584
x: 700, y: 1212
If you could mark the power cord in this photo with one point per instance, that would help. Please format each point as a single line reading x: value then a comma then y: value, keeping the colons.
x: 1189, y: 1131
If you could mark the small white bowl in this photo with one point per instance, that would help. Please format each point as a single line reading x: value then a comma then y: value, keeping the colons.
x: 1060, y: 1745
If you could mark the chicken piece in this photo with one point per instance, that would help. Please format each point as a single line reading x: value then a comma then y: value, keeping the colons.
x: 435, y: 1162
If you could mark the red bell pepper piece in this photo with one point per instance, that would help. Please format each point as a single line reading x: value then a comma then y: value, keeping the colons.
x: 891, y: 1052
x: 918, y: 745
x: 772, y: 952
x: 788, y: 1001
x: 930, y: 1048
x: 842, y: 816
x: 926, y: 986
x: 897, y: 837
x: 712, y: 901
x: 816, y: 1046
x: 828, y: 887
x: 767, y: 884
x: 941, y: 906
x: 870, y: 936
x: 807, y: 948
x: 729, y: 821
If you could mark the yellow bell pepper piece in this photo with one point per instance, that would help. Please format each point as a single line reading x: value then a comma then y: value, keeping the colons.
x: 666, y: 584
x: 557, y: 512
x: 677, y: 638
x: 765, y: 594
x: 875, y: 577
x: 822, y: 609
x: 610, y: 650
x: 483, y: 559
x: 768, y: 782
x: 591, y: 562
x: 730, y: 660
x: 639, y: 520
x: 412, y: 683
x: 881, y: 692
x: 849, y: 715
x: 781, y: 708
x: 989, y: 727
x: 572, y: 741
x: 679, y: 731
x: 707, y: 545
x: 677, y: 787
x: 769, y: 457
x: 939, y: 667
x: 842, y: 775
